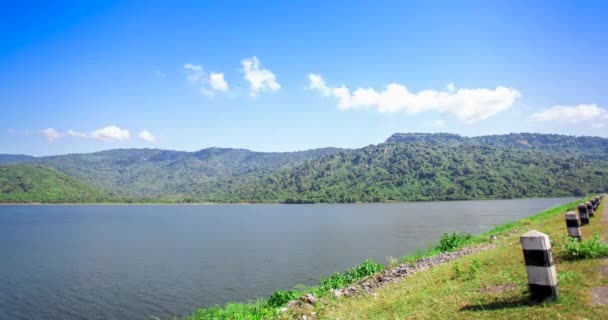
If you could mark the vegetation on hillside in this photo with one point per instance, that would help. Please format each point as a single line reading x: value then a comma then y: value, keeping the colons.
x: 410, y: 167
x: 585, y: 146
x: 412, y: 172
x: 162, y: 175
x: 30, y: 183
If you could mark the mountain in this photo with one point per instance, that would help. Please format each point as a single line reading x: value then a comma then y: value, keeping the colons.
x: 415, y: 171
x: 14, y: 158
x: 408, y: 166
x: 31, y: 183
x: 155, y: 173
x: 592, y: 147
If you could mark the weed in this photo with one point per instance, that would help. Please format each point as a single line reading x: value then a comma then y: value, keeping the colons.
x: 280, y: 298
x: 591, y: 248
x: 342, y: 279
x: 474, y: 268
x: 457, y: 270
x: 392, y: 262
x: 451, y: 242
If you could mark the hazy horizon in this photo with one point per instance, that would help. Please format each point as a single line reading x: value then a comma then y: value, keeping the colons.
x: 278, y: 151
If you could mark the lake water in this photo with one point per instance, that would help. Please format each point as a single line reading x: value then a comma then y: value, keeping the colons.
x: 134, y: 262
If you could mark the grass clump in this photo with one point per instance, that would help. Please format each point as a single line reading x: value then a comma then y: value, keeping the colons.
x: 241, y: 311
x: 269, y: 308
x: 280, y: 298
x: 350, y: 276
x: 450, y: 242
x: 586, y: 249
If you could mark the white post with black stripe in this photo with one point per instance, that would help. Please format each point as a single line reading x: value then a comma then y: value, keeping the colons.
x: 589, y: 209
x: 582, y: 213
x: 542, y: 277
x: 573, y: 225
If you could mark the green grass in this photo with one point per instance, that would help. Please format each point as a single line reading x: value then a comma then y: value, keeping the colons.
x: 451, y: 290
x: 491, y: 284
x: 586, y: 249
x: 348, y: 277
x: 269, y: 308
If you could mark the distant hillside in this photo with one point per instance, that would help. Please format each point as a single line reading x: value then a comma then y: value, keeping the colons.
x: 155, y: 173
x: 400, y: 171
x: 409, y: 166
x: 593, y: 147
x: 14, y: 158
x: 28, y: 183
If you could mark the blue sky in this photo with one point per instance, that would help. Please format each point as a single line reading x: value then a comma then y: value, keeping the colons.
x: 84, y: 76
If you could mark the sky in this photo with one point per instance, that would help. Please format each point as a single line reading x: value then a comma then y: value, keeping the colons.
x: 84, y: 76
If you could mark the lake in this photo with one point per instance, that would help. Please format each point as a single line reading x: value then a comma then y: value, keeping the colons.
x: 144, y: 261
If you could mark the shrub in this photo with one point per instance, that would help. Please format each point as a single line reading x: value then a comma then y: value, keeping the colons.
x: 451, y: 242
x: 280, y: 298
x: 340, y: 280
x: 591, y: 248
x: 241, y: 311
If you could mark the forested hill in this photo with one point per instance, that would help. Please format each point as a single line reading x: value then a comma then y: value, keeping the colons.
x: 406, y: 167
x: 14, y: 158
x: 413, y: 171
x: 30, y: 183
x: 155, y: 173
x: 593, y: 147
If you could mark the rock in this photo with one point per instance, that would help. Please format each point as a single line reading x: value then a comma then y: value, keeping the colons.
x: 338, y: 293
x: 291, y: 304
x: 307, y: 306
x: 309, y: 298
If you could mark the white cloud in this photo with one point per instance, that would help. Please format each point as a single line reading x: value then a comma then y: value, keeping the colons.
x: 468, y: 105
x: 159, y: 74
x: 317, y: 83
x: 259, y: 79
x: 571, y: 114
x: 209, y: 83
x: 195, y: 72
x: 109, y: 133
x: 77, y: 134
x: 52, y: 134
x: 217, y: 82
x: 147, y: 136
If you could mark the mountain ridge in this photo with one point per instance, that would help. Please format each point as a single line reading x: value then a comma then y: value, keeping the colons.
x: 407, y: 166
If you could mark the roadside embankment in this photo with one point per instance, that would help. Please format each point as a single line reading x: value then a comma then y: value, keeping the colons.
x: 462, y: 277
x: 489, y: 284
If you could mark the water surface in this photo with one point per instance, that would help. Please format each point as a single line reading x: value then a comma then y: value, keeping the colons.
x: 133, y: 262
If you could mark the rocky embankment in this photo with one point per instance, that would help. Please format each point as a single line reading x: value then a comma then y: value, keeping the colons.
x: 304, y: 306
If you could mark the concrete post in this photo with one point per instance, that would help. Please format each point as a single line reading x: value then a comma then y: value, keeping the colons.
x: 542, y: 277
x: 597, y: 203
x: 582, y: 212
x: 573, y: 225
x: 589, y: 209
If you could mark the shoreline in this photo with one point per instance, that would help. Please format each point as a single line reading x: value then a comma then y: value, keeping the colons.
x: 303, y: 302
x: 259, y: 203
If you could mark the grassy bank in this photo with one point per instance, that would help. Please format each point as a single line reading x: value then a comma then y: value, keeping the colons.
x: 490, y: 284
x: 486, y: 284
